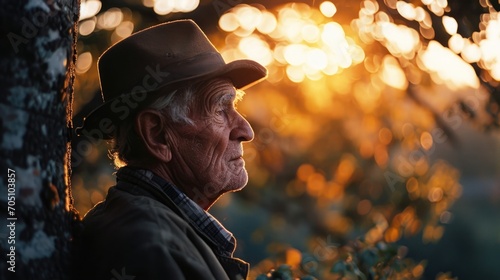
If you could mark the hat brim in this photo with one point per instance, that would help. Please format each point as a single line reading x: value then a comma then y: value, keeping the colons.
x: 100, y: 123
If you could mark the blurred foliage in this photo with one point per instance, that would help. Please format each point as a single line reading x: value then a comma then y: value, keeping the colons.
x: 359, y: 97
x: 355, y: 261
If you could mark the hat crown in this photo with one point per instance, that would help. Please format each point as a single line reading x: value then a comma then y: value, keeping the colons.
x: 151, y: 57
x: 157, y: 60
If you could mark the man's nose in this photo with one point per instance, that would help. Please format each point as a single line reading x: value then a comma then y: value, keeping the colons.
x: 242, y: 130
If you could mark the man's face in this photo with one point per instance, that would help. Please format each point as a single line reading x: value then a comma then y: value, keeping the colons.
x: 207, y: 155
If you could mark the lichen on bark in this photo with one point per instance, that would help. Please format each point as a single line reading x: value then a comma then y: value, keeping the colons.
x: 37, y: 56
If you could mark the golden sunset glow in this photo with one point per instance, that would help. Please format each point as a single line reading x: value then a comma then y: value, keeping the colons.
x: 447, y: 67
x: 306, y: 47
x: 349, y: 125
x: 311, y: 49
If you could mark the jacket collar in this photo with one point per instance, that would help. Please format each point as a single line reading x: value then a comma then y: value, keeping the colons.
x: 202, y: 221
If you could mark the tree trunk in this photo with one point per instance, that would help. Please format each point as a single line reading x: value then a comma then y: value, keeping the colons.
x: 37, y: 56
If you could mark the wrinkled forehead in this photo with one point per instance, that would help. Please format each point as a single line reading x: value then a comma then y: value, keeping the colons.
x: 216, y: 91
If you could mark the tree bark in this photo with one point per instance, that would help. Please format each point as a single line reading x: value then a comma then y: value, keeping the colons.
x: 37, y: 56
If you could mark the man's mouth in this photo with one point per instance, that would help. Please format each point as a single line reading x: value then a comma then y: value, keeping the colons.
x: 237, y: 158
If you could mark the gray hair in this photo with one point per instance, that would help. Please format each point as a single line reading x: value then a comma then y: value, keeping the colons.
x: 126, y: 144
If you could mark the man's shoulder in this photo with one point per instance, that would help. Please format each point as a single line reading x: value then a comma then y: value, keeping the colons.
x: 133, y: 215
x: 138, y: 232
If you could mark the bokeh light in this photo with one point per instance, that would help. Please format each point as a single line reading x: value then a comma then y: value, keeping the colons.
x: 328, y: 9
x: 311, y: 49
x: 89, y: 8
x: 164, y: 7
x: 450, y: 24
x: 110, y: 19
x: 346, y: 124
x: 446, y: 66
x: 84, y: 62
x: 86, y: 27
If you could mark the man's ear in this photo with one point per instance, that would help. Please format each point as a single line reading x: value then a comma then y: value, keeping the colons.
x: 150, y: 127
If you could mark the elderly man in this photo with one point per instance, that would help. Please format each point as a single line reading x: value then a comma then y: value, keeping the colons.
x: 169, y: 111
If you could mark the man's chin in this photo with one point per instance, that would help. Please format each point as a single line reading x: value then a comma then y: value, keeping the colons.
x: 240, y: 182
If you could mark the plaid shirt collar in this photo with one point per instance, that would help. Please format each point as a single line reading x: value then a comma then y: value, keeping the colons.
x: 198, y: 217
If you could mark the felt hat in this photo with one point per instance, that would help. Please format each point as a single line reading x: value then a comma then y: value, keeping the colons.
x: 158, y: 60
